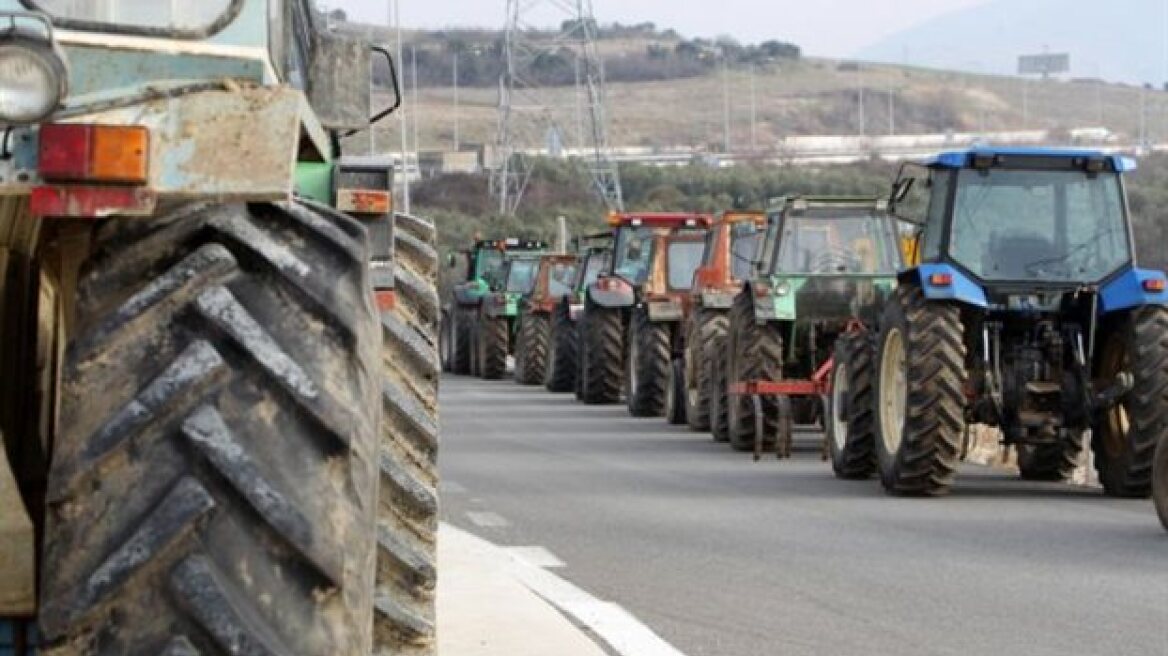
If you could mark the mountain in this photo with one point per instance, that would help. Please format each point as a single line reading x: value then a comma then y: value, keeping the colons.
x: 1122, y: 41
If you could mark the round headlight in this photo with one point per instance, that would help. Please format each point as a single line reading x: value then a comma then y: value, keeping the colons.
x: 32, y: 83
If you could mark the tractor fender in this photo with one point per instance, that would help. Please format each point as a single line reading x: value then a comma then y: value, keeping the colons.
x: 612, y: 292
x: 1134, y: 288
x: 763, y: 302
x: 960, y: 287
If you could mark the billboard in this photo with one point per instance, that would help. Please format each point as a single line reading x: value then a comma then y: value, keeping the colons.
x: 1044, y: 65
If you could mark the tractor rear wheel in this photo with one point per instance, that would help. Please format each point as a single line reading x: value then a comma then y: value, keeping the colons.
x: 1128, y: 433
x: 708, y: 328
x: 602, y: 355
x: 649, y: 360
x: 756, y: 353
x: 531, y: 349
x: 407, y: 521
x: 920, y: 392
x: 213, y: 487
x: 850, y: 412
x: 716, y: 355
x: 1160, y: 482
x: 492, y: 347
x: 563, y: 358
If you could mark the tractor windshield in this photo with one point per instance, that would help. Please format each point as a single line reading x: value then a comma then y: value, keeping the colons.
x: 634, y: 253
x: 828, y: 244
x: 1058, y: 226
x: 521, y: 276
x: 170, y: 15
x: 489, y: 265
x: 560, y: 278
x: 684, y: 259
x: 597, y: 263
x: 743, y: 249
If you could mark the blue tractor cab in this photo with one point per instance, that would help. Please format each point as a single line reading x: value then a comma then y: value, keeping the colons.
x: 1022, y: 308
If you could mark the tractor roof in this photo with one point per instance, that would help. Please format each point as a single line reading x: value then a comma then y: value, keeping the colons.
x: 803, y: 203
x: 960, y: 159
x: 660, y: 219
x: 743, y: 217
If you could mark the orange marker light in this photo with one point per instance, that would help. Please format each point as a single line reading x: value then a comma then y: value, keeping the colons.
x: 941, y: 279
x: 119, y: 154
x: 1154, y: 285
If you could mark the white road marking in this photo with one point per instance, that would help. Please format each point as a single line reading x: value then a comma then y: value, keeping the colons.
x: 535, y: 556
x: 488, y: 520
x: 620, y: 630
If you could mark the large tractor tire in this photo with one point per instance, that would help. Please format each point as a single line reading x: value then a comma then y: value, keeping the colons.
x: 407, y: 522
x: 213, y: 487
x: 756, y: 353
x: 707, y: 329
x: 601, y: 355
x: 920, y: 394
x: 716, y: 356
x: 1128, y: 434
x: 1160, y: 482
x: 563, y: 358
x: 647, y: 374
x: 850, y: 419
x: 492, y: 347
x: 531, y: 349
x: 461, y: 342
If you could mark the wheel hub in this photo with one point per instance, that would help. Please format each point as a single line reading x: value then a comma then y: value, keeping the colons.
x: 893, y: 390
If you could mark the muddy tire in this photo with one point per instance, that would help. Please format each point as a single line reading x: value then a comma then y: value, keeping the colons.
x: 675, y: 394
x: 602, y: 355
x: 850, y: 410
x: 1127, y: 436
x: 920, y: 394
x: 719, y: 397
x: 707, y: 329
x: 531, y: 349
x: 649, y: 360
x: 492, y: 347
x: 756, y: 353
x: 1160, y: 482
x: 213, y: 487
x: 564, y: 356
x: 407, y: 520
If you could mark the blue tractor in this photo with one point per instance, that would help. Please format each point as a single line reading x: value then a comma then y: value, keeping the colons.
x: 1022, y: 309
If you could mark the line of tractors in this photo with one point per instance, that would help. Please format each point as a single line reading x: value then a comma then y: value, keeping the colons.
x: 991, y: 287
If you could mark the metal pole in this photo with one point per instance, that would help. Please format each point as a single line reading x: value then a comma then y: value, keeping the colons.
x: 457, y: 136
x: 405, y: 164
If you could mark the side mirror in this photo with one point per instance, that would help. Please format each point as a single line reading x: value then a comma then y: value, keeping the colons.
x: 339, y: 98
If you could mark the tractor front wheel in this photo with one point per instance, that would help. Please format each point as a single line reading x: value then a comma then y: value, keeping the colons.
x: 1128, y: 433
x: 675, y: 394
x: 563, y: 358
x: 602, y: 358
x: 531, y: 349
x: 920, y: 392
x: 850, y: 412
x: 492, y: 347
x: 708, y: 330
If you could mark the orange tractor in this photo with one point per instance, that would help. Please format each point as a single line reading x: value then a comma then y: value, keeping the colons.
x: 533, y: 342
x: 630, y: 329
x: 727, y: 262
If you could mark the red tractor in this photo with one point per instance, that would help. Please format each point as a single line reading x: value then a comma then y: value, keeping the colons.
x: 630, y: 328
x: 726, y: 264
x: 533, y: 342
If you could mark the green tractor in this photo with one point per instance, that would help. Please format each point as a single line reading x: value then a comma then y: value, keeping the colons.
x: 479, y: 322
x: 217, y: 397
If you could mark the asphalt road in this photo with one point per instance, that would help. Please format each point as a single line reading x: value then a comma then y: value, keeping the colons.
x: 723, y: 556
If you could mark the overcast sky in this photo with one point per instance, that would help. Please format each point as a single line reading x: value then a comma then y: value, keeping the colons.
x: 832, y: 28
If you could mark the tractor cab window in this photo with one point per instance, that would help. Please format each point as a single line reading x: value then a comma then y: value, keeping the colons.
x: 1058, y: 226
x: 744, y: 244
x: 634, y: 254
x: 521, y: 276
x: 489, y: 265
x: 560, y: 279
x: 181, y: 16
x: 829, y: 244
x: 597, y: 264
x: 684, y: 259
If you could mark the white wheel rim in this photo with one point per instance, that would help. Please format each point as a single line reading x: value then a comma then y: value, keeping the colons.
x: 839, y: 392
x: 893, y: 391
